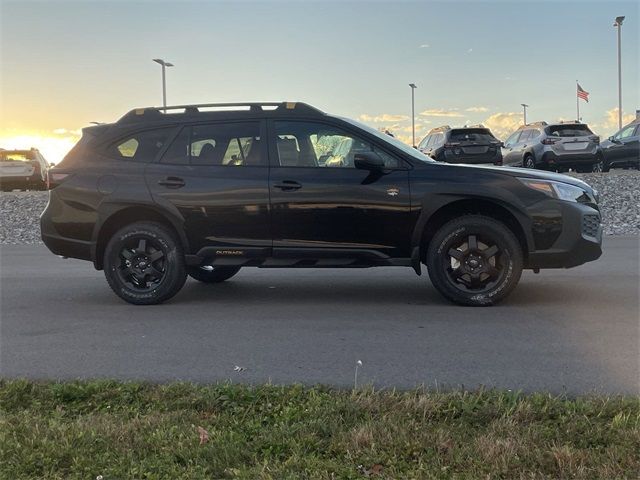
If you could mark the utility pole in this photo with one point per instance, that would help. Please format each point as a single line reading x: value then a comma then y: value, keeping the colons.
x: 413, y: 114
x: 164, y: 81
x: 618, y: 25
x: 524, y: 109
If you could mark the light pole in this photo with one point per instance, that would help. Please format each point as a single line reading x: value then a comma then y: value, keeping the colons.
x: 164, y: 81
x: 413, y: 114
x: 524, y: 108
x: 618, y: 25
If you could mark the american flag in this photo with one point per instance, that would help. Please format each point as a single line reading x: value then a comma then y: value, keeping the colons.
x: 583, y: 94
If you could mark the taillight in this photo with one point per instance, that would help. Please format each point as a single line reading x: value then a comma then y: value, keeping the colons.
x: 550, y: 141
x: 54, y: 179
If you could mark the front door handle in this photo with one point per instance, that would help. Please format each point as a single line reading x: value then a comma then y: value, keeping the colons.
x: 288, y: 185
x: 172, y: 182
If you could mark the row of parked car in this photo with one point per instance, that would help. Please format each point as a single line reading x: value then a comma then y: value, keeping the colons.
x: 548, y: 146
x: 23, y: 169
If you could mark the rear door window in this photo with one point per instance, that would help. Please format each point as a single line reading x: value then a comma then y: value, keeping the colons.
x: 142, y: 146
x: 230, y: 144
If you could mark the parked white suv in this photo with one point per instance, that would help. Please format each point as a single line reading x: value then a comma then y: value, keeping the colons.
x: 23, y: 169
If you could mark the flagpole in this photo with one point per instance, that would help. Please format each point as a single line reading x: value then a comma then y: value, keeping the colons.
x: 577, y: 103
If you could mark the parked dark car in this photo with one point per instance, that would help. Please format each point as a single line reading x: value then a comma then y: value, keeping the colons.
x: 557, y: 147
x: 472, y: 145
x: 623, y: 148
x: 23, y: 169
x: 162, y: 194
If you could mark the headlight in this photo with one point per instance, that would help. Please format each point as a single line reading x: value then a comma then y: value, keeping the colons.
x: 560, y: 190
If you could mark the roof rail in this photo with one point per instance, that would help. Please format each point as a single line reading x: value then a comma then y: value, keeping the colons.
x: 440, y: 128
x: 570, y: 121
x: 538, y: 124
x: 149, y: 113
x: 478, y: 125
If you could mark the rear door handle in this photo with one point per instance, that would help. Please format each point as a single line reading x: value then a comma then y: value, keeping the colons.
x: 172, y: 182
x: 288, y: 185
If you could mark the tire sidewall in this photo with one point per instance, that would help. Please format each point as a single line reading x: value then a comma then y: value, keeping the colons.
x: 459, y: 230
x: 175, y: 274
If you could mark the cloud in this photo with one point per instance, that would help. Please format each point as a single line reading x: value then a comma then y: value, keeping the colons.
x: 439, y: 112
x: 424, y: 45
x: 609, y: 125
x: 385, y: 117
x: 477, y: 109
x: 504, y: 123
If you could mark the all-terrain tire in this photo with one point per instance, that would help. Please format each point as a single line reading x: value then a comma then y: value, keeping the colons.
x: 160, y: 243
x: 488, y: 234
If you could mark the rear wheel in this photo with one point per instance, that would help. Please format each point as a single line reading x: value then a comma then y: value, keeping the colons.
x: 144, y: 264
x: 474, y: 260
x: 529, y: 162
x: 209, y: 274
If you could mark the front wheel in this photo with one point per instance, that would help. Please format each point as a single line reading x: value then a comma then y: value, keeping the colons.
x: 144, y: 264
x: 474, y: 260
x: 210, y: 274
x: 598, y: 167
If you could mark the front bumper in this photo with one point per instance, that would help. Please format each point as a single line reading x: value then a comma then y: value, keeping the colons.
x: 574, y: 240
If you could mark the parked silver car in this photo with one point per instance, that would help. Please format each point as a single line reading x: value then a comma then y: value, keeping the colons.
x: 23, y: 169
x: 557, y: 147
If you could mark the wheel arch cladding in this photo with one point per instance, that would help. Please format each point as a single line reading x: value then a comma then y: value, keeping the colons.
x: 128, y: 215
x: 429, y: 225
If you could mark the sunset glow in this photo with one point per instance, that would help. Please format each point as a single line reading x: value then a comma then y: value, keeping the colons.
x: 52, y: 146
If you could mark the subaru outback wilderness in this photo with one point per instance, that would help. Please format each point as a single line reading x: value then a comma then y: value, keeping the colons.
x: 204, y: 190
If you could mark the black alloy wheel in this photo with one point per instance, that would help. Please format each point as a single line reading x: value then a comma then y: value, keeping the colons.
x: 142, y: 263
x: 475, y: 264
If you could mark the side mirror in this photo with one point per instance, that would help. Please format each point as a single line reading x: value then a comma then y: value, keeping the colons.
x: 368, y: 161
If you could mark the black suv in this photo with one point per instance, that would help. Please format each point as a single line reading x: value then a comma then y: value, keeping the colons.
x: 166, y: 193
x: 622, y: 149
x: 475, y: 144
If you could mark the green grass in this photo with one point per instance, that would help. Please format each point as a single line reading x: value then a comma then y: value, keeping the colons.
x: 136, y: 430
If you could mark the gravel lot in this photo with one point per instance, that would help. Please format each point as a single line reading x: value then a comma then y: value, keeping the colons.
x: 619, y: 199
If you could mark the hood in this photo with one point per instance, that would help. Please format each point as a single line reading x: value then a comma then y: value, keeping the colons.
x: 529, y: 173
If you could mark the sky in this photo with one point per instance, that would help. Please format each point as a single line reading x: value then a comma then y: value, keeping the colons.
x: 65, y: 64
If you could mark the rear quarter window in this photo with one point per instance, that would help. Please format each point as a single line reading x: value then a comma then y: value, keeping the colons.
x: 141, y: 146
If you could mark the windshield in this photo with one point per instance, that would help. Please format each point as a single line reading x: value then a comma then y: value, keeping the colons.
x: 569, y: 130
x: 9, y: 156
x: 392, y: 140
x: 472, y: 135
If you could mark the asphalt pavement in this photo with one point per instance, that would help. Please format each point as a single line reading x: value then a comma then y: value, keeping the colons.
x: 570, y: 331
